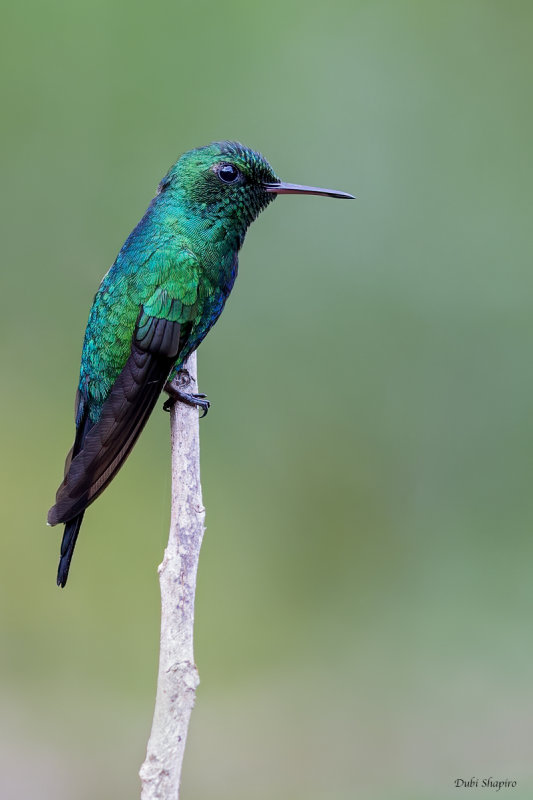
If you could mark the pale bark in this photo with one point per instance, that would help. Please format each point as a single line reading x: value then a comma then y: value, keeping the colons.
x: 178, y: 677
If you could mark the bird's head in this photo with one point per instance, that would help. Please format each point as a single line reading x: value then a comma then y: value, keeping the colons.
x: 230, y: 181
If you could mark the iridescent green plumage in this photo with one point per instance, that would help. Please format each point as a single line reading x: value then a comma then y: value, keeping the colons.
x: 164, y: 292
x: 178, y: 263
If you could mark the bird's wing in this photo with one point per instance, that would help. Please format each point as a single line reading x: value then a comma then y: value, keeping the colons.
x: 154, y: 348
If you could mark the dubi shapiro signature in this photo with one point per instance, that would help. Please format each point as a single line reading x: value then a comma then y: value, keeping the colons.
x: 484, y: 783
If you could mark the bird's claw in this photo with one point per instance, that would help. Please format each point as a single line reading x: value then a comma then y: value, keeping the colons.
x: 201, y: 401
x: 197, y: 400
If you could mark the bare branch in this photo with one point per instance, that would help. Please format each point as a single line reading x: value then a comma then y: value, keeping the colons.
x: 178, y: 677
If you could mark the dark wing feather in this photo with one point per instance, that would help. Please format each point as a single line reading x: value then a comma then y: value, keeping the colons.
x: 107, y: 444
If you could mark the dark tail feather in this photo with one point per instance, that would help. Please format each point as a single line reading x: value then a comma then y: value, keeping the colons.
x: 72, y: 528
x: 101, y: 448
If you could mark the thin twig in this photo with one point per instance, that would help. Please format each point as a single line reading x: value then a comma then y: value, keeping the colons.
x: 178, y: 677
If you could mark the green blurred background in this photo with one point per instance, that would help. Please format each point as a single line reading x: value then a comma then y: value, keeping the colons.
x: 365, y: 596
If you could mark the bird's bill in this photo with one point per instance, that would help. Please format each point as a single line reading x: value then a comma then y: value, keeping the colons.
x: 294, y: 188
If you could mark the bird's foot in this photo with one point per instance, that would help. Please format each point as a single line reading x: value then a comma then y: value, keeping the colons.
x: 197, y: 400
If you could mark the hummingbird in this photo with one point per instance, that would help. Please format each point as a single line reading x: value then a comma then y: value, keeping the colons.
x: 164, y: 292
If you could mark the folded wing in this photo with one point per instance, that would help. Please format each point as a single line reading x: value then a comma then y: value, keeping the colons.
x: 105, y: 446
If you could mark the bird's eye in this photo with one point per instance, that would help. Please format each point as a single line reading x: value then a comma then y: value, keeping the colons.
x: 228, y: 173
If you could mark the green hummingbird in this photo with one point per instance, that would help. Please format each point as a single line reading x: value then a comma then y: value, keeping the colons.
x: 155, y: 305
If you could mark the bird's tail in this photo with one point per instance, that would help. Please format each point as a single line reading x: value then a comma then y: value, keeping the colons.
x: 70, y: 534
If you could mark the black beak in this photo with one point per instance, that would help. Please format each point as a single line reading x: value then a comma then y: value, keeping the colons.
x: 294, y: 188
